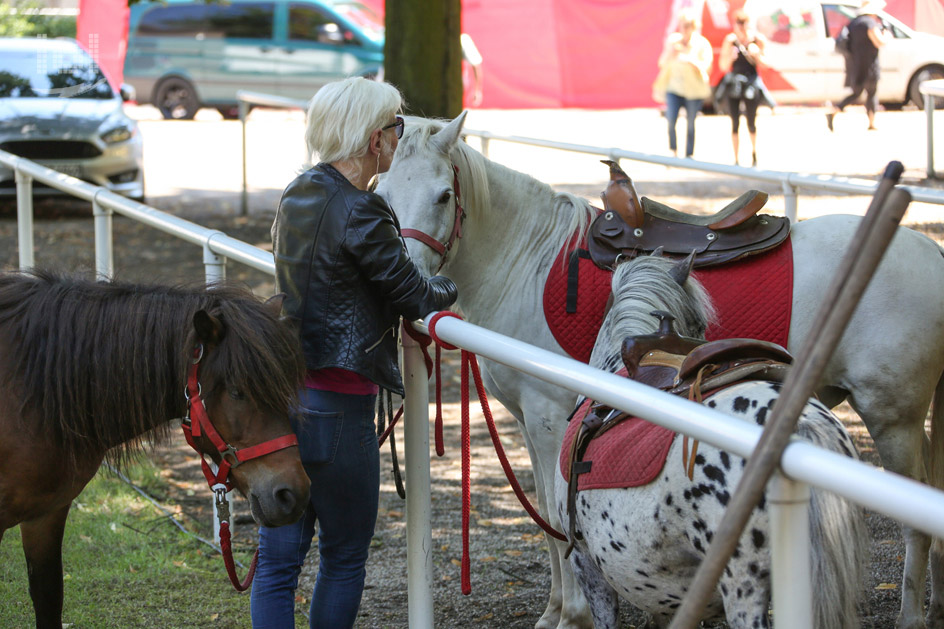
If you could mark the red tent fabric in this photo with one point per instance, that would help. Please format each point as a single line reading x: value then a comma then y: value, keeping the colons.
x: 598, y: 54
x: 102, y: 29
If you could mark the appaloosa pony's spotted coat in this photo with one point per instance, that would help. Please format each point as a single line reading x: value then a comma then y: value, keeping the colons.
x: 643, y: 544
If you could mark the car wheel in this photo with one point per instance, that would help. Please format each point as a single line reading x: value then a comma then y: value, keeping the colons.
x: 176, y: 99
x: 925, y: 74
x: 229, y: 113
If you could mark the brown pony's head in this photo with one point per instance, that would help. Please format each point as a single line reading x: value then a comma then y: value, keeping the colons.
x: 249, y: 370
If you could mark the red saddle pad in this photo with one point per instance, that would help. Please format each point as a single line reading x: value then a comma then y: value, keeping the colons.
x: 630, y: 454
x: 753, y: 297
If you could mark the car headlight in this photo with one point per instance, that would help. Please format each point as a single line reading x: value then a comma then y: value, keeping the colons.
x: 118, y: 134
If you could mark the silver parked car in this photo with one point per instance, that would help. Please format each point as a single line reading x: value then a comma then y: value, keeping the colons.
x: 58, y: 109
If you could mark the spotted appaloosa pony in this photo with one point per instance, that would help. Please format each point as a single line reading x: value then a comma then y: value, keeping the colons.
x: 888, y: 364
x: 643, y: 544
x: 89, y: 369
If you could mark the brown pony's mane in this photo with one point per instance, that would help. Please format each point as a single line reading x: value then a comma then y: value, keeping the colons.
x: 99, y: 364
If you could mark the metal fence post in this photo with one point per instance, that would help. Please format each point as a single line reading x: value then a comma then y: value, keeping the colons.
x: 790, y: 201
x: 929, y: 114
x: 791, y: 572
x: 24, y: 218
x: 214, y: 265
x: 244, y: 197
x: 419, y: 534
x: 215, y: 270
x: 484, y: 141
x: 104, y: 252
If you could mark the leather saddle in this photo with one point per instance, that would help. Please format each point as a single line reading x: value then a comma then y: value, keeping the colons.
x: 630, y: 226
x: 682, y: 366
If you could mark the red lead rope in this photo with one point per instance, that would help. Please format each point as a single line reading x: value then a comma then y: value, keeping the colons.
x: 470, y: 363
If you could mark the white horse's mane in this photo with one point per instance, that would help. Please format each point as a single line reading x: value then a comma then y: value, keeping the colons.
x: 640, y: 287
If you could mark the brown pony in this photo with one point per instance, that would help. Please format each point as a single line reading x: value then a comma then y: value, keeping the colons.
x: 94, y: 369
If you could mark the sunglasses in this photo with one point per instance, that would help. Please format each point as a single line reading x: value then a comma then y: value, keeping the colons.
x: 398, y: 126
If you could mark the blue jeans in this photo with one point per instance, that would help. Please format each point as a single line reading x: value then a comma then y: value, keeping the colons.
x: 338, y: 446
x: 674, y: 102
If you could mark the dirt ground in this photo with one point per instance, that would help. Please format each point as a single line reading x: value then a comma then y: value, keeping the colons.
x: 510, y: 577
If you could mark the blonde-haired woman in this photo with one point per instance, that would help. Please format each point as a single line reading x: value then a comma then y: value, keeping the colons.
x: 341, y: 263
x: 741, y: 53
x: 685, y: 61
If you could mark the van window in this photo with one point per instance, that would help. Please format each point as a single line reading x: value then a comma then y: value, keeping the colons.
x: 185, y: 20
x: 306, y: 23
x: 246, y: 20
x: 787, y: 25
x: 369, y: 22
x: 838, y: 15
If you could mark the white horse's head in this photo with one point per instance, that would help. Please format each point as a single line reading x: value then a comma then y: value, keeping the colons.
x: 434, y: 179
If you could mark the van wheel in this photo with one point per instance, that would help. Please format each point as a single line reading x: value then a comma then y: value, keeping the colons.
x: 230, y: 112
x: 925, y: 74
x: 176, y: 99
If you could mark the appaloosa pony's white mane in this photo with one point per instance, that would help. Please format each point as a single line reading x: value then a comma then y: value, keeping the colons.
x: 639, y: 288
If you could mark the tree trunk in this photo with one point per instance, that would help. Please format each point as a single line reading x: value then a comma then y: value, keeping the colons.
x: 423, y: 56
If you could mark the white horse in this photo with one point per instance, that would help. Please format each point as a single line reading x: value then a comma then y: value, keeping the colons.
x: 643, y: 544
x: 888, y: 364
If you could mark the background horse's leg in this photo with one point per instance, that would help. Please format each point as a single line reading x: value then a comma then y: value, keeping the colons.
x: 42, y: 545
x: 542, y: 426
x: 602, y: 598
x: 936, y: 608
x: 567, y: 607
x: 903, y: 448
x: 935, y: 615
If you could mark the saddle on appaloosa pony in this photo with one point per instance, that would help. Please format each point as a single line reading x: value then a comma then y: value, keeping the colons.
x: 681, y: 366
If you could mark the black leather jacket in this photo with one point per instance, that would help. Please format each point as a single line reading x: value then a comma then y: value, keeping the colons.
x: 340, y: 260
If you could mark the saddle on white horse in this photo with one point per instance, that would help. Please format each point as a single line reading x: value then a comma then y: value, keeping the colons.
x: 629, y: 227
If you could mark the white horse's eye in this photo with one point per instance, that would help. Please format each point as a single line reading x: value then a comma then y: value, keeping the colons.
x: 444, y: 197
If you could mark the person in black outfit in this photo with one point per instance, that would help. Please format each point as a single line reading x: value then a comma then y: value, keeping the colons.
x: 741, y: 52
x: 342, y: 263
x: 866, y: 36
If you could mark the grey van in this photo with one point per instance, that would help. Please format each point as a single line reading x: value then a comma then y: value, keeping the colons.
x: 183, y: 55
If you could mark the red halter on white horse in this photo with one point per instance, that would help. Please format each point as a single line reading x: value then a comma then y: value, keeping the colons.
x: 439, y: 247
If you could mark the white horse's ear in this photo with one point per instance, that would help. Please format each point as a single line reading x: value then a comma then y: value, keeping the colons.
x: 683, y: 269
x: 657, y: 252
x: 446, y: 138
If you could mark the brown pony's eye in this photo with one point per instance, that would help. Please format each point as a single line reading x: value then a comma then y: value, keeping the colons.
x: 236, y: 394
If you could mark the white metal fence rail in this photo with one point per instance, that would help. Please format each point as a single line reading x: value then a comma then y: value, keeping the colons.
x: 905, y: 500
x: 791, y: 183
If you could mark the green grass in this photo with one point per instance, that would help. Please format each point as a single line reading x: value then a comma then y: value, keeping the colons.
x: 127, y: 565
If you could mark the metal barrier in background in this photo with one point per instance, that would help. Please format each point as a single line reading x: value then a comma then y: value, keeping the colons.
x: 217, y: 246
x: 930, y: 89
x: 245, y: 100
x: 791, y: 183
x: 905, y: 500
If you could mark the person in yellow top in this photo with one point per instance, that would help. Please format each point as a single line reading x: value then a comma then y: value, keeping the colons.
x: 684, y: 64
